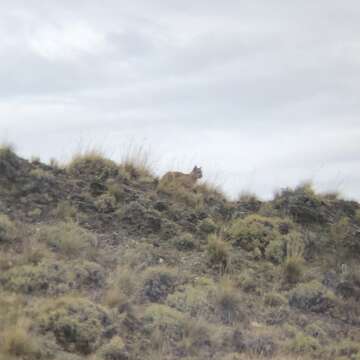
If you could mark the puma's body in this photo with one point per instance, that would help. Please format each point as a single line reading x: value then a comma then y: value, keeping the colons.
x: 185, y: 180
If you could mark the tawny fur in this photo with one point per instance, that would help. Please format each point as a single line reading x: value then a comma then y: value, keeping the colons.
x: 185, y: 180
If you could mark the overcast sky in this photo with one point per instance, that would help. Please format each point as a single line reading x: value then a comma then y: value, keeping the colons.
x: 262, y: 94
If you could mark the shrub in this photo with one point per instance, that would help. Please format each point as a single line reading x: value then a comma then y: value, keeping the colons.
x: 140, y: 219
x: 182, y: 194
x: 105, y: 203
x: 92, y: 164
x: 312, y: 296
x: 345, y: 238
x: 274, y: 299
x: 64, y: 211
x: 8, y: 229
x: 69, y: 239
x: 114, y: 350
x: 347, y: 348
x: 275, y: 251
x: 170, y: 322
x: 17, y: 341
x: 315, y: 330
x: 77, y: 323
x: 303, y: 344
x: 293, y: 270
x: 207, y: 226
x: 254, y: 231
x: 158, y: 282
x: 228, y: 304
x: 52, y: 277
x: 115, y: 189
x: 193, y: 299
x: 302, y: 204
x: 184, y: 242
x: 218, y: 251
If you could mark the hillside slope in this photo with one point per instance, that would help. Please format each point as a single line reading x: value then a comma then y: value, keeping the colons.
x: 100, y: 260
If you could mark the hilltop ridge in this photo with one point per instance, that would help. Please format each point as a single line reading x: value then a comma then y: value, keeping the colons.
x: 101, y: 260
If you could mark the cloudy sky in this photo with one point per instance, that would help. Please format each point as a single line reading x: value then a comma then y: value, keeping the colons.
x: 262, y: 94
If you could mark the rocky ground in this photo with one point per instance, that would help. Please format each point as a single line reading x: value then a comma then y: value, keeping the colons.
x: 100, y: 260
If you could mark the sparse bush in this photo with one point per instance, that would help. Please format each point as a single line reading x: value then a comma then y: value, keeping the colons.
x: 293, y: 270
x: 69, y: 239
x: 274, y: 299
x: 77, y: 324
x: 228, y: 304
x: 115, y: 189
x: 8, y: 229
x: 312, y: 296
x: 345, y: 238
x: 41, y: 174
x: 140, y: 219
x: 65, y: 211
x: 184, y: 242
x: 207, y: 226
x: 218, y: 251
x: 303, y: 344
x: 275, y: 251
x: 302, y: 204
x: 17, y: 341
x: 347, y: 348
x: 92, y: 164
x: 194, y: 299
x: 114, y: 350
x: 247, y: 281
x: 316, y: 331
x: 158, y: 282
x: 52, y: 277
x: 254, y: 231
x: 182, y: 194
x: 105, y: 203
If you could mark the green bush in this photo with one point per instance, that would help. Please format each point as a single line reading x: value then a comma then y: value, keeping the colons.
x: 312, y: 296
x: 105, y: 203
x: 184, y: 242
x: 303, y: 344
x: 274, y: 299
x: 158, y: 282
x: 52, y: 277
x: 228, y: 304
x: 77, y: 324
x: 194, y: 299
x: 114, y: 350
x: 8, y: 229
x: 293, y: 270
x: 218, y: 251
x: 94, y: 165
x: 275, y: 251
x: 18, y: 342
x: 67, y: 238
x: 207, y: 226
x: 254, y: 231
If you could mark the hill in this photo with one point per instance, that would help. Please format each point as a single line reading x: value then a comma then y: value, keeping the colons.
x: 102, y: 261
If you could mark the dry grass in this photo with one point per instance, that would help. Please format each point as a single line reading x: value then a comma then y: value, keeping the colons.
x: 137, y: 161
x: 17, y: 341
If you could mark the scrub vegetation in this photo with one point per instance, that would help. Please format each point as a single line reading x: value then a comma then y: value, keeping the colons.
x: 104, y: 261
